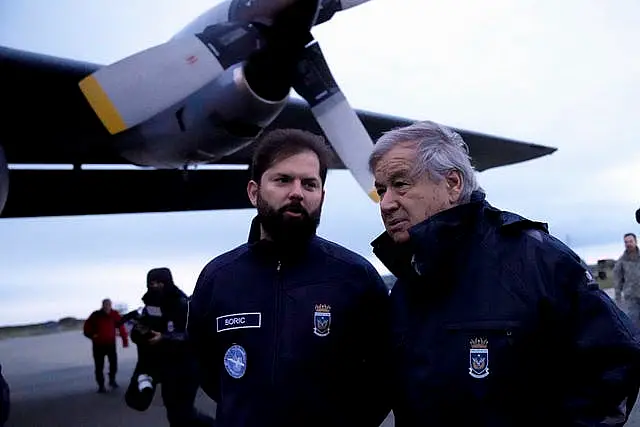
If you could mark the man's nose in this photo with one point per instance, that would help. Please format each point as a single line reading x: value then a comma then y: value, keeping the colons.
x: 296, y: 190
x: 388, y: 203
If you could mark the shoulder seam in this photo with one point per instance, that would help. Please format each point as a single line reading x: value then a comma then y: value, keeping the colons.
x: 225, y: 259
x: 359, y: 260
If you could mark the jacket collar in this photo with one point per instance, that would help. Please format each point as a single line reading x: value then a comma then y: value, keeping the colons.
x: 438, y: 239
x: 432, y: 241
x: 631, y: 256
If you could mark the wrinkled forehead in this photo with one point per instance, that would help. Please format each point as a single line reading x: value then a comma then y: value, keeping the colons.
x: 397, y: 163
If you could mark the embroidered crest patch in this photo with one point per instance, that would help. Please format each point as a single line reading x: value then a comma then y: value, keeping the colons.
x: 479, y: 358
x: 322, y: 320
x: 235, y: 361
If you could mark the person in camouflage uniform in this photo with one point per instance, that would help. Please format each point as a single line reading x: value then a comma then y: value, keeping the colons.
x: 626, y: 275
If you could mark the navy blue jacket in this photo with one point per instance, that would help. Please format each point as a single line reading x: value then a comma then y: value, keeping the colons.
x: 497, y: 323
x: 292, y: 339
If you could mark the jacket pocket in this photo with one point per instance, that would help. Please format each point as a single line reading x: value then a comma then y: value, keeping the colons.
x: 487, y: 350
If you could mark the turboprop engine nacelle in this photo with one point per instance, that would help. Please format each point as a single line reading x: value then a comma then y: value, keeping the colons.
x: 222, y: 117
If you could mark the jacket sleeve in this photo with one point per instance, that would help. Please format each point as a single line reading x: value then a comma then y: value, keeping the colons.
x: 603, y: 353
x: 618, y: 278
x: 89, y: 328
x: 141, y: 321
x: 376, y: 386
x: 201, y: 336
x: 121, y: 328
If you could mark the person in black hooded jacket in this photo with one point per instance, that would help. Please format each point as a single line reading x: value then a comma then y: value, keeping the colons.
x: 164, y: 355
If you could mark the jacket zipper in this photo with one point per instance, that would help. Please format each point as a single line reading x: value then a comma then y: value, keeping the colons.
x: 276, y: 324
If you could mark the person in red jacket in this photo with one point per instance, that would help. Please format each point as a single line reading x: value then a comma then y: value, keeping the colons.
x: 100, y: 328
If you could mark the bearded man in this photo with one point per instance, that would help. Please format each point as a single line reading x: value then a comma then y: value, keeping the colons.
x: 291, y: 329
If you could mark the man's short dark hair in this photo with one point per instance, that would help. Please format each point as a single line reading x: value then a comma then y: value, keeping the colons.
x: 630, y: 235
x: 279, y: 144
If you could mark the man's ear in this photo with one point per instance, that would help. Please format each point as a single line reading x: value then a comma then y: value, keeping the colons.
x: 252, y: 192
x: 454, y: 186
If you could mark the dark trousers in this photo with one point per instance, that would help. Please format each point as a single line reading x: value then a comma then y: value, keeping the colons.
x: 178, y: 396
x: 179, y: 386
x: 99, y: 353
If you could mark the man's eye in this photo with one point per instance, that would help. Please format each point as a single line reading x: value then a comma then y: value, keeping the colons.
x: 399, y: 184
x: 380, y: 191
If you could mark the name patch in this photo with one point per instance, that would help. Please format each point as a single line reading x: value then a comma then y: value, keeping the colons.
x: 239, y: 321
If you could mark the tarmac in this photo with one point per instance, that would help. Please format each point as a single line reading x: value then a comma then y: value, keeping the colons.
x: 52, y: 385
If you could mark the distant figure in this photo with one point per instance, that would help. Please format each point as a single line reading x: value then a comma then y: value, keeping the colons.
x: 626, y: 276
x: 495, y: 321
x: 5, y: 399
x: 100, y: 328
x: 164, y: 355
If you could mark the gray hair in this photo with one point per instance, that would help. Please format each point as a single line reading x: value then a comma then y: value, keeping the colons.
x: 439, y: 150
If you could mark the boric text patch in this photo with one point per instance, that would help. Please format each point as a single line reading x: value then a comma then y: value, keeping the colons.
x: 239, y: 321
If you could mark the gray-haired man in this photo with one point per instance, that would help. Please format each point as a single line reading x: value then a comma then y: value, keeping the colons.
x: 496, y: 322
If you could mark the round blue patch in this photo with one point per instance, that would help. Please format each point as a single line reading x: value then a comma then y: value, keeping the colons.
x: 235, y: 361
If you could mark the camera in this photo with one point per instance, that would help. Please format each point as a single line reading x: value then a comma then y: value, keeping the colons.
x: 139, y: 329
x: 143, y: 331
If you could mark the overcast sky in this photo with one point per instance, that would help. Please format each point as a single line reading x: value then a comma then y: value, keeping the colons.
x: 563, y: 74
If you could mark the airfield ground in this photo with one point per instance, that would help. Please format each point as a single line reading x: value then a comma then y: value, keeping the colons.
x: 51, y: 378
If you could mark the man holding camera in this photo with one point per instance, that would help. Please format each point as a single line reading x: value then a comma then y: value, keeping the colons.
x: 163, y: 353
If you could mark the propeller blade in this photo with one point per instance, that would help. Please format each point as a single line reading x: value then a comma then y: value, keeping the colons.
x: 339, y: 122
x: 140, y: 86
x: 328, y: 8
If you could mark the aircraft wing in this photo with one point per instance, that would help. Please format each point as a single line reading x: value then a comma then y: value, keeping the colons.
x: 47, y: 121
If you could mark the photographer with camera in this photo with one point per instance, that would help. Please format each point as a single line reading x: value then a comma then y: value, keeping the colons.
x: 164, y: 356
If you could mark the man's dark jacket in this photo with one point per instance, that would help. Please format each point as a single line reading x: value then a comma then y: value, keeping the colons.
x: 165, y: 312
x: 292, y: 338
x: 497, y: 323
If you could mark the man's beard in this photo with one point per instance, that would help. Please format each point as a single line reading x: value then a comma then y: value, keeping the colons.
x: 287, y: 230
